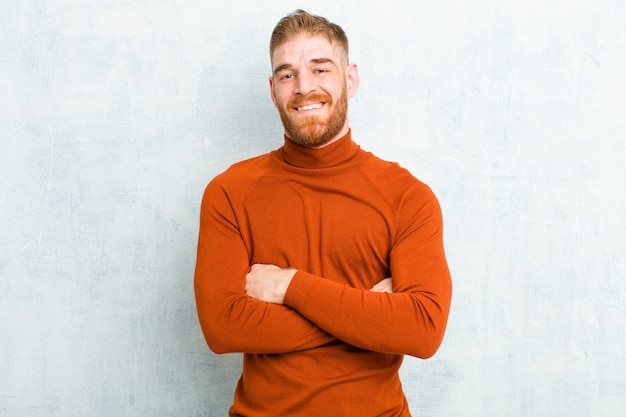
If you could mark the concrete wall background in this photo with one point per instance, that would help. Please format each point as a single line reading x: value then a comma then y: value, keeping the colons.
x: 114, y: 115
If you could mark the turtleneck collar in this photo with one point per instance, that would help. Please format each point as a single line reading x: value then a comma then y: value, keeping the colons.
x: 331, y: 155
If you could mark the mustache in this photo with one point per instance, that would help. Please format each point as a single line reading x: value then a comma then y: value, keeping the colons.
x: 296, y: 102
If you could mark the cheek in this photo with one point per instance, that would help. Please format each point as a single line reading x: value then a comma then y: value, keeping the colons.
x: 335, y: 88
x: 275, y: 93
x: 281, y: 97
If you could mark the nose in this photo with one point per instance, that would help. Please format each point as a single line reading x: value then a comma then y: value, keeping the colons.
x: 305, y: 84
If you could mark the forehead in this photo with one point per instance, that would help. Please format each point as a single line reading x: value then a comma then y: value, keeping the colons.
x: 304, y: 48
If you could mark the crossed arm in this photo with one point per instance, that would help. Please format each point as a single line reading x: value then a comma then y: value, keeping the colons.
x: 267, y: 309
x: 408, y: 321
x: 269, y: 283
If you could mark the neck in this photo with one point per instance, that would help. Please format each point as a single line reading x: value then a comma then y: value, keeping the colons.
x: 340, y: 151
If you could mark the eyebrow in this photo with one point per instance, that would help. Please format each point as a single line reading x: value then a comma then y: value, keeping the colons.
x: 284, y: 67
x: 323, y: 61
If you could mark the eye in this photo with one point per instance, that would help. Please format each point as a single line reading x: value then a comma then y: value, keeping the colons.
x: 287, y: 76
x: 320, y: 71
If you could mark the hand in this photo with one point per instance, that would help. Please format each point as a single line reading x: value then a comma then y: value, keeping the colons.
x: 268, y: 283
x: 383, y: 286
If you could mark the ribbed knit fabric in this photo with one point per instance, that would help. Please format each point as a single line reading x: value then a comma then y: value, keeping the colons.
x: 346, y: 220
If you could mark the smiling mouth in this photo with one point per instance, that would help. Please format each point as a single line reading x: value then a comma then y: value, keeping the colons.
x: 308, y: 107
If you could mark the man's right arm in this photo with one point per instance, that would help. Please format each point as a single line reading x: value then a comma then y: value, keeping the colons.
x: 231, y: 320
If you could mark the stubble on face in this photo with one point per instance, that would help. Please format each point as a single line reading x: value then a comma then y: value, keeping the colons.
x: 315, y: 131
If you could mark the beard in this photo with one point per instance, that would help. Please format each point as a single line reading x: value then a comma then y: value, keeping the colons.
x: 316, y: 131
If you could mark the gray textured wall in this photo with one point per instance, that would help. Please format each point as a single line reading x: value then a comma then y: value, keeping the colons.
x: 114, y: 115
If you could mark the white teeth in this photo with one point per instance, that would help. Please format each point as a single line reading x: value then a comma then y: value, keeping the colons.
x: 310, y: 107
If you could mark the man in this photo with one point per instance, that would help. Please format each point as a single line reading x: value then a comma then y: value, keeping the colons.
x: 320, y: 262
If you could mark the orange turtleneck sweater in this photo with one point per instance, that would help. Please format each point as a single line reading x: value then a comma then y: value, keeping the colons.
x: 345, y: 220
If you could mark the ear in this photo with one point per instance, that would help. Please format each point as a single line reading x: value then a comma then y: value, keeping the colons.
x: 272, y: 91
x: 352, y: 79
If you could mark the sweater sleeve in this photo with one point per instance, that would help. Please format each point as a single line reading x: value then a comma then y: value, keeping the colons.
x: 232, y: 321
x: 412, y: 319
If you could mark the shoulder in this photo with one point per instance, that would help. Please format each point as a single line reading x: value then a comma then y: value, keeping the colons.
x: 415, y: 206
x: 241, y: 177
x: 246, y: 171
x: 393, y: 180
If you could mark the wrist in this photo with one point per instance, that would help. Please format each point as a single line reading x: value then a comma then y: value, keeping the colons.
x: 289, y: 273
